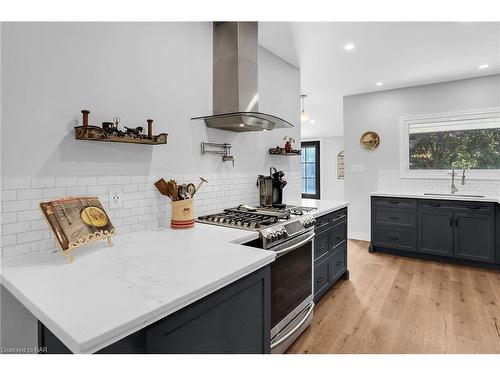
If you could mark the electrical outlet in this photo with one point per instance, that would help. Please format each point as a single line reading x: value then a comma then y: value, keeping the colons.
x: 115, y: 199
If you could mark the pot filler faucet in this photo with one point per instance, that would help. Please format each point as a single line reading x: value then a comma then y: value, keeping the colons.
x: 454, y: 189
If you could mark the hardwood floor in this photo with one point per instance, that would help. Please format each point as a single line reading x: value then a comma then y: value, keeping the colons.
x: 394, y: 304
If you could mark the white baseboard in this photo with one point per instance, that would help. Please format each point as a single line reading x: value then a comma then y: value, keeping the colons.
x: 359, y: 236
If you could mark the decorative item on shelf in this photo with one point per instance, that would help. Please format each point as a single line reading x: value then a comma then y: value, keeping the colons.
x: 77, y: 221
x: 370, y: 140
x: 288, y: 144
x: 182, y: 196
x: 110, y: 132
x: 282, y: 152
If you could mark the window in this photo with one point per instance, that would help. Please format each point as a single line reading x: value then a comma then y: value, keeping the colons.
x: 432, y: 145
x: 309, y: 162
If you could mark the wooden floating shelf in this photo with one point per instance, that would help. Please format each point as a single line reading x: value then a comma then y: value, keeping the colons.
x: 95, y: 133
x: 281, y: 152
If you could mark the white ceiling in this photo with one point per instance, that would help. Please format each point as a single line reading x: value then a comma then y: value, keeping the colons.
x: 399, y: 54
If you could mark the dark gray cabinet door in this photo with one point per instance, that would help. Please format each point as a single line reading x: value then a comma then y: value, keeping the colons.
x: 474, y: 236
x: 435, y: 234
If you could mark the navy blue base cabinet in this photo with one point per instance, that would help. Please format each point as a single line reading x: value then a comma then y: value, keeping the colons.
x: 330, y: 251
x: 234, y: 319
x: 464, y: 232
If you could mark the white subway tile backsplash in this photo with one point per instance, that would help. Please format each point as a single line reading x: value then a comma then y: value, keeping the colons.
x: 96, y: 190
x: 87, y: 181
x: 24, y: 229
x: 66, y: 182
x: 8, y: 217
x: 54, y: 193
x: 37, y: 183
x: 29, y: 215
x: 16, y: 183
x: 105, y: 180
x: 9, y: 240
x: 390, y: 180
x: 15, y: 250
x: 29, y: 194
x: 130, y: 188
x: 8, y: 195
x: 79, y: 190
x: 16, y: 206
x: 15, y: 228
x: 29, y: 236
x: 137, y: 179
x: 38, y: 224
x: 120, y: 180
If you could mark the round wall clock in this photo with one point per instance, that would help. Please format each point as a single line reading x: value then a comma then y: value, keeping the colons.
x: 370, y: 140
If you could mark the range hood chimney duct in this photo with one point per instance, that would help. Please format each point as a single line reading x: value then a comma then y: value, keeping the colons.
x: 236, y: 80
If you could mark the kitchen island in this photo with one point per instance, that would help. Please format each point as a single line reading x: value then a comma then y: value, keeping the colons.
x: 111, y: 293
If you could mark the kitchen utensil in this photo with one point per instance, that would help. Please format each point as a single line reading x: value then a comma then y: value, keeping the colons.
x: 202, y: 181
x: 191, y: 189
x: 182, y: 190
x: 173, y: 190
x: 162, y: 187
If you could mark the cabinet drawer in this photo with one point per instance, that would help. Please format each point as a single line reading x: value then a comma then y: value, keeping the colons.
x: 322, y: 223
x: 321, y: 244
x: 339, y: 216
x: 395, y: 238
x: 338, y: 263
x: 320, y: 276
x: 394, y: 202
x: 339, y: 234
x: 462, y: 206
x: 396, y: 217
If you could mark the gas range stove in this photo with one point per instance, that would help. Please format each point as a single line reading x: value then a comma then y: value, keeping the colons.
x: 254, y: 218
x: 275, y: 225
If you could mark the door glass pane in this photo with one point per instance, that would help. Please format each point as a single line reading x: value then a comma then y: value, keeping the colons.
x: 311, y: 154
x: 310, y: 170
x: 311, y: 188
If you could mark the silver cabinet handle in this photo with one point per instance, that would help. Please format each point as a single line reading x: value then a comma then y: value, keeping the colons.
x: 293, y: 247
x: 281, y: 340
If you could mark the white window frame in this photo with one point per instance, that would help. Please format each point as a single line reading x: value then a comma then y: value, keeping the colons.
x: 404, y: 157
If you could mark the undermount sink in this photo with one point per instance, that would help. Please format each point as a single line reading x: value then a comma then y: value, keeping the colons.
x: 455, y: 195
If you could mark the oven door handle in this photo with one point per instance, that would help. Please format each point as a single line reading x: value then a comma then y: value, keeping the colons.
x: 293, y: 247
x: 304, y: 319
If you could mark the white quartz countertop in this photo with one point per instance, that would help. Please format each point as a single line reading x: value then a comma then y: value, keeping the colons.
x: 323, y: 206
x: 107, y: 293
x: 455, y: 197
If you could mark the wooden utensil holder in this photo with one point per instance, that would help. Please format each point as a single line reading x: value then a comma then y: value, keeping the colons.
x: 182, y: 214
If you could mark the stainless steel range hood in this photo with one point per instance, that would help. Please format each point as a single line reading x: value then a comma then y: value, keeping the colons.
x: 236, y: 80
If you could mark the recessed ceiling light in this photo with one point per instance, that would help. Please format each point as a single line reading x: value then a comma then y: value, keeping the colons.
x: 242, y: 125
x: 483, y: 66
x: 312, y: 121
x: 379, y: 84
x: 349, y: 46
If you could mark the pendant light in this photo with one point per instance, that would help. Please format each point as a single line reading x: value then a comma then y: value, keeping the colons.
x: 304, y: 116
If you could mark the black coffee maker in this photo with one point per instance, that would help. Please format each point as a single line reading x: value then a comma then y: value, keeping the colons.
x: 271, y: 188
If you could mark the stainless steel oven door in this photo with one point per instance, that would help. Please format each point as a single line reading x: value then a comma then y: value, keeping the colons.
x: 291, y: 280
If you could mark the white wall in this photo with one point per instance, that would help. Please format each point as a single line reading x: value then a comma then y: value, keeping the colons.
x: 331, y: 187
x: 380, y: 112
x: 163, y: 71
